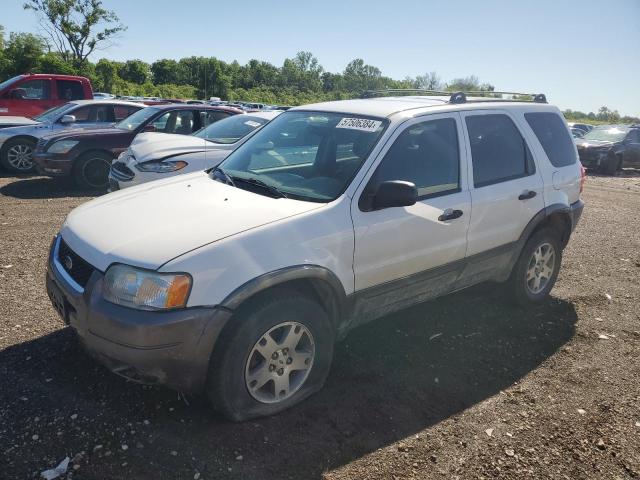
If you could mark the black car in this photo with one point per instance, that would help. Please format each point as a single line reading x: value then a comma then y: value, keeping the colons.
x: 609, y: 148
x: 86, y: 155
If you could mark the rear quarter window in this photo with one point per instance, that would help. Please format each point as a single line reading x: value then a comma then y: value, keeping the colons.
x: 554, y: 137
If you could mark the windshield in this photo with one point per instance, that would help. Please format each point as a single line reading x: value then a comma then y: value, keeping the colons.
x: 135, y: 120
x: 305, y: 155
x: 606, y: 134
x: 53, y: 113
x: 230, y: 129
x: 6, y: 83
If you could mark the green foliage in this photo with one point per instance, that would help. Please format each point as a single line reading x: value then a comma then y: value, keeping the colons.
x: 604, y: 116
x: 76, y: 27
x: 135, y: 71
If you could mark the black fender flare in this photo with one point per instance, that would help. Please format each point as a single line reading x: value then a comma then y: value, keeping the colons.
x: 276, y: 277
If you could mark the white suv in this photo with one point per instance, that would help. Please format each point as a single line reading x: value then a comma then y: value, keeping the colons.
x: 239, y: 280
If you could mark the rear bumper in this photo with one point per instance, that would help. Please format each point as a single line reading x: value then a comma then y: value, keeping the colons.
x: 171, y: 348
x: 576, y: 212
x: 52, y: 165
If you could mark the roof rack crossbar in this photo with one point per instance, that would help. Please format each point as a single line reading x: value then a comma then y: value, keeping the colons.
x: 458, y: 97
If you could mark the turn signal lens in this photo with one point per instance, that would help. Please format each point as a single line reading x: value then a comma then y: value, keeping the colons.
x: 583, y: 177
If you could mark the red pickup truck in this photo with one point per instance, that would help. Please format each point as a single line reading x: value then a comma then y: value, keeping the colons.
x: 31, y: 94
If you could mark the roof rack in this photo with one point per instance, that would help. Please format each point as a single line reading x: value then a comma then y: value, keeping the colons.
x: 461, y: 97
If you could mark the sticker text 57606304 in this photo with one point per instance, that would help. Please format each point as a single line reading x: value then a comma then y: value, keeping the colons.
x: 363, y: 124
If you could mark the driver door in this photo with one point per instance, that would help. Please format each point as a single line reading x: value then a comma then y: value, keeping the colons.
x: 404, y: 255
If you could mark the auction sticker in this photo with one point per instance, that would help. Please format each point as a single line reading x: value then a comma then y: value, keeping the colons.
x: 251, y: 123
x: 363, y: 124
x: 4, y: 110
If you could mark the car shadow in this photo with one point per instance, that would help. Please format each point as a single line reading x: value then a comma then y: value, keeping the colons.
x: 390, y: 379
x: 27, y: 187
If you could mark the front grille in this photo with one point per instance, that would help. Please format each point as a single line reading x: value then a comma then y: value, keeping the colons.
x: 120, y: 171
x: 80, y: 270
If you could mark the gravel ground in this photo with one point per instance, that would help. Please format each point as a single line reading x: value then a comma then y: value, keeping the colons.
x: 462, y: 387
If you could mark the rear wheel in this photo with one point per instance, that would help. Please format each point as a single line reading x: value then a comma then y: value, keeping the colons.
x: 17, y: 155
x: 277, y: 352
x: 536, y: 271
x: 91, y: 170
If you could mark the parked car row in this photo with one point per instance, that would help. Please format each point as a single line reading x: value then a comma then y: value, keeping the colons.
x: 18, y: 143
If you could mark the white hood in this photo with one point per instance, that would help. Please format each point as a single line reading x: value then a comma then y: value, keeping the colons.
x: 156, y: 146
x: 148, y: 225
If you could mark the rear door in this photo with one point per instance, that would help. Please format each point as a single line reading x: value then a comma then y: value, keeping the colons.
x: 506, y: 187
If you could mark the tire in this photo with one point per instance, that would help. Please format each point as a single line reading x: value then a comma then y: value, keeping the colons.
x: 524, y: 289
x: 236, y: 362
x: 611, y: 165
x: 91, y: 171
x: 17, y: 155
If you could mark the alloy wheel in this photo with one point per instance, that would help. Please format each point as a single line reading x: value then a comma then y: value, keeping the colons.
x: 20, y: 157
x: 279, y: 362
x: 541, y: 267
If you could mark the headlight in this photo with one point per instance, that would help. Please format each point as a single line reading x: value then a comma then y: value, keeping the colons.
x: 161, y: 167
x: 63, y: 146
x: 145, y: 289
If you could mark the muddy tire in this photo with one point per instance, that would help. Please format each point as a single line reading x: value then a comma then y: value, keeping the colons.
x: 276, y: 352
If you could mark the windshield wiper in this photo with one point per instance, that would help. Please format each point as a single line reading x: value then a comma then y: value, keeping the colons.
x: 259, y: 183
x: 227, y: 178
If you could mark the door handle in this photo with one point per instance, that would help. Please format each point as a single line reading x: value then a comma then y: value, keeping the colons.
x: 527, y: 195
x: 450, y: 214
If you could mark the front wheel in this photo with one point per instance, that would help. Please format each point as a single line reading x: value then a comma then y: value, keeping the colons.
x: 276, y: 353
x: 611, y: 165
x: 91, y: 170
x: 536, y: 271
x: 17, y: 155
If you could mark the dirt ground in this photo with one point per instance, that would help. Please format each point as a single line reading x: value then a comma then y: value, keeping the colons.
x: 462, y: 387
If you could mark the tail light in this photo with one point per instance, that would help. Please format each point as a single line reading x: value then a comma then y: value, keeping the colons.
x: 583, y: 177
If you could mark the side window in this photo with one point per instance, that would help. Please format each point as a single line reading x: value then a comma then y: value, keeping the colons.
x: 177, y: 121
x: 82, y: 114
x: 33, y: 90
x: 122, y: 111
x: 498, y: 151
x: 553, y: 136
x: 208, y: 117
x: 425, y: 154
x: 102, y: 114
x: 69, y: 90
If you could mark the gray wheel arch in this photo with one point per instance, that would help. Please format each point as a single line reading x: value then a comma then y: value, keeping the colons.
x: 322, y: 281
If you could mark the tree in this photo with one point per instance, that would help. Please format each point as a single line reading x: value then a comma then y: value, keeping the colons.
x: 135, y: 71
x: 76, y: 27
x: 469, y: 84
x: 359, y: 76
x: 22, y: 53
x: 166, y: 71
x: 107, y: 74
x: 429, y: 81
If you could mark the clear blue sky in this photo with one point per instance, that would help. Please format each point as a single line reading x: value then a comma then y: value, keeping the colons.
x: 582, y: 54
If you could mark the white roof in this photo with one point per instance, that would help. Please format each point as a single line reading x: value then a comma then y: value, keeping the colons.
x: 108, y: 100
x: 387, y: 106
x: 266, y: 114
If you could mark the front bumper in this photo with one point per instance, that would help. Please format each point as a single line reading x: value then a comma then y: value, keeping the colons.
x: 171, y: 348
x: 592, y: 158
x: 53, y: 165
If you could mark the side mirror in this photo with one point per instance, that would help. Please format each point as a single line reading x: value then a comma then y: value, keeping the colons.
x: 149, y: 128
x: 68, y: 119
x: 392, y: 193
